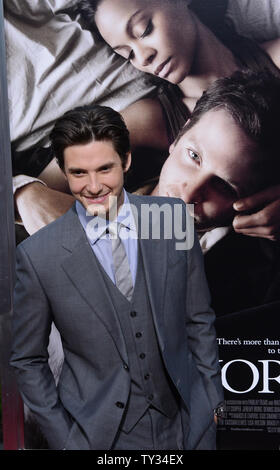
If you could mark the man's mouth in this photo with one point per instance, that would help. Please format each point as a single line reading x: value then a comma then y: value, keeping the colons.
x: 100, y: 199
x: 163, y: 69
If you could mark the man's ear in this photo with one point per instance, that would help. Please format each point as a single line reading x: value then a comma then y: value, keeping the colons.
x: 128, y: 162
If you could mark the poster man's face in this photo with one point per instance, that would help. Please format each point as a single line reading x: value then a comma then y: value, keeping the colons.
x: 94, y: 172
x: 157, y: 36
x: 211, y: 166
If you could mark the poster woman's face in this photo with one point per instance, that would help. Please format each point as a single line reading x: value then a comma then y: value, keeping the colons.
x: 156, y: 36
x: 212, y: 165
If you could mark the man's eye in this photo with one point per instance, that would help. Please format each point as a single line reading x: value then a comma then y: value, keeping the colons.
x: 193, y: 156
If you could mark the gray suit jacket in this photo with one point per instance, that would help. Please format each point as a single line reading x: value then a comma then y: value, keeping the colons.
x: 58, y: 280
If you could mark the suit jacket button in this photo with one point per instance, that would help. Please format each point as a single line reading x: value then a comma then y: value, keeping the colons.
x: 125, y: 366
x: 119, y: 404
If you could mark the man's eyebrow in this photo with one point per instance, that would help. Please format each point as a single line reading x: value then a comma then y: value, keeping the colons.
x: 105, y: 165
x: 194, y: 142
x: 83, y: 170
x: 129, y: 27
x: 74, y: 169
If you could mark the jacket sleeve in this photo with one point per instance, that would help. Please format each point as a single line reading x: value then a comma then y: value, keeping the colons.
x: 200, y: 325
x: 31, y: 325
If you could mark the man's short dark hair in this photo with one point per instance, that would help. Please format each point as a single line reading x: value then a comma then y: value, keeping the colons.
x: 253, y: 101
x: 85, y: 124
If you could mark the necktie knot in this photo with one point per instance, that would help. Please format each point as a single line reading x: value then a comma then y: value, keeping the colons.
x: 114, y: 230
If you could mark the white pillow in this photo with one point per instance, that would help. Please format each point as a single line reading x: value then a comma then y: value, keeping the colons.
x: 258, y: 19
x: 33, y: 9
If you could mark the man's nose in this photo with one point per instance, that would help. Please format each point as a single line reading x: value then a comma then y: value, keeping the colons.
x: 94, y: 186
x: 193, y: 191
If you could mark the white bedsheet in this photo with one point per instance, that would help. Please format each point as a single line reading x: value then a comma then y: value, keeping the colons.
x: 54, y: 65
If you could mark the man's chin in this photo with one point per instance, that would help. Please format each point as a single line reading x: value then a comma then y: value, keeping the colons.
x: 96, y: 209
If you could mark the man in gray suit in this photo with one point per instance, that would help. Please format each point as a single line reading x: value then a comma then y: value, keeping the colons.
x: 140, y: 364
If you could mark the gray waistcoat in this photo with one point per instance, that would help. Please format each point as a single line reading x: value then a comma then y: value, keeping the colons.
x: 150, y: 385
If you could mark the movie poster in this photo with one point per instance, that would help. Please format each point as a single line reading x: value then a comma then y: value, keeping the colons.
x: 55, y: 63
x: 249, y: 356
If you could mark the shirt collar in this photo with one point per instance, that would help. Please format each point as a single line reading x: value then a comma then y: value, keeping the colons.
x: 210, y: 238
x: 95, y: 227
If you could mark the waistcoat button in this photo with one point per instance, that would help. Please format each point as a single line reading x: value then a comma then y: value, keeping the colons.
x: 119, y: 404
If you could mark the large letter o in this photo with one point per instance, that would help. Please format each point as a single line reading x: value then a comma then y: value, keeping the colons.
x: 252, y: 367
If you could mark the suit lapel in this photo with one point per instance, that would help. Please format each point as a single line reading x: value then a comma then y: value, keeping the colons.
x: 81, y: 266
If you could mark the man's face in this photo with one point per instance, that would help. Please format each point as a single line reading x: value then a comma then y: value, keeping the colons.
x: 94, y: 172
x: 211, y: 166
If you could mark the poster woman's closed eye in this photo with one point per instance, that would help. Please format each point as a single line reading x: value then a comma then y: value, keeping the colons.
x: 166, y: 38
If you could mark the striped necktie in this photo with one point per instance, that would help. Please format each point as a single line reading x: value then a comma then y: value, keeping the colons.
x: 123, y: 275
